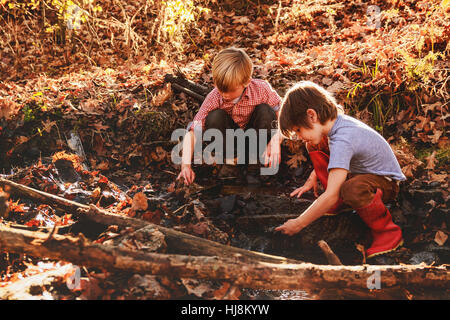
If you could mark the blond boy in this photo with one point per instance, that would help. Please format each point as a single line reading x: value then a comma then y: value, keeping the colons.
x: 237, y: 102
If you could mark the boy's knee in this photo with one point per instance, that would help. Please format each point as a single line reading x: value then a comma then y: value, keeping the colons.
x: 265, y: 111
x: 263, y: 107
x: 263, y: 116
x: 216, y: 119
x: 356, y: 193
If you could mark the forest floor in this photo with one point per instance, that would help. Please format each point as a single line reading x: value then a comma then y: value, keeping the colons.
x: 95, y: 126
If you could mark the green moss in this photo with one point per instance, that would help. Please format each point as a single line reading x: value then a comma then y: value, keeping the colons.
x: 442, y: 154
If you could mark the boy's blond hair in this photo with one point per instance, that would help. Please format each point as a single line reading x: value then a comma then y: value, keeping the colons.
x: 231, y: 67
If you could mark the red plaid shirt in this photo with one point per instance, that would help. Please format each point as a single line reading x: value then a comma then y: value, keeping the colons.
x: 257, y: 92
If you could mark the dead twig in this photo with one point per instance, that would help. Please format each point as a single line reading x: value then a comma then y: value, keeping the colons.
x: 332, y: 258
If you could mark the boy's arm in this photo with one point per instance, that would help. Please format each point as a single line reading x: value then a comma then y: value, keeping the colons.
x: 272, y: 98
x: 188, y: 148
x: 211, y: 102
x: 272, y: 155
x: 336, y: 178
x: 186, y: 172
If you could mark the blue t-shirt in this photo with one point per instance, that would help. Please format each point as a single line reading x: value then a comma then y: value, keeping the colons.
x: 358, y: 148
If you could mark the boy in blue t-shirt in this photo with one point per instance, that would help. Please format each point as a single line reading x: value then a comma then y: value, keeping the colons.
x: 356, y: 165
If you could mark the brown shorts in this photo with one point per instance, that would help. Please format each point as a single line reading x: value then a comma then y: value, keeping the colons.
x: 359, y: 190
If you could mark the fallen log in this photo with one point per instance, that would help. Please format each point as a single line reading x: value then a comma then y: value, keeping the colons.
x: 4, y: 210
x: 255, y: 274
x: 23, y: 289
x: 177, y: 242
x: 187, y: 84
x: 188, y: 92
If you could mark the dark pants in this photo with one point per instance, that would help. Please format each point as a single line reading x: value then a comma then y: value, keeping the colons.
x: 263, y: 117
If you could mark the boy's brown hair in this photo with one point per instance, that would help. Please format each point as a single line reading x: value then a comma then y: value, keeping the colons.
x: 301, y: 97
x: 231, y: 67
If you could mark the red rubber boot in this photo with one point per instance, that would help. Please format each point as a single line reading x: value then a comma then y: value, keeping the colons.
x: 320, y: 162
x: 387, y: 236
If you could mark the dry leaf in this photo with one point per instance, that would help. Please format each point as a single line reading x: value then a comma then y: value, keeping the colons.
x: 139, y: 202
x: 296, y: 160
x: 431, y: 161
x: 99, y: 126
x: 361, y: 249
x: 48, y: 125
x: 408, y: 171
x: 439, y: 177
x: 104, y: 165
x: 336, y: 87
x: 7, y: 108
x: 96, y: 193
x: 198, y: 213
x: 431, y: 203
x: 159, y: 154
x: 435, y: 137
x: 430, y: 107
x: 179, y: 106
x: 153, y: 216
x: 423, y: 120
x: 440, y: 238
x: 90, y: 106
x: 162, y: 96
x: 171, y: 187
x: 200, y: 228
x: 196, y: 287
x: 20, y: 140
x: 241, y: 19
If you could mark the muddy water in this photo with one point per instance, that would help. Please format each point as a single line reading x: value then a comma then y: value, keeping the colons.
x: 259, y: 239
x: 231, y: 190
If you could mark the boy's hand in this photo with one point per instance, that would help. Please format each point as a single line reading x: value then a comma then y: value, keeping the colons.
x: 311, y: 183
x: 187, y: 174
x: 272, y: 155
x: 290, y: 227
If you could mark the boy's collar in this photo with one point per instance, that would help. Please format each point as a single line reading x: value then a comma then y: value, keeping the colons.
x: 244, y: 93
x: 332, y: 128
x: 246, y: 90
